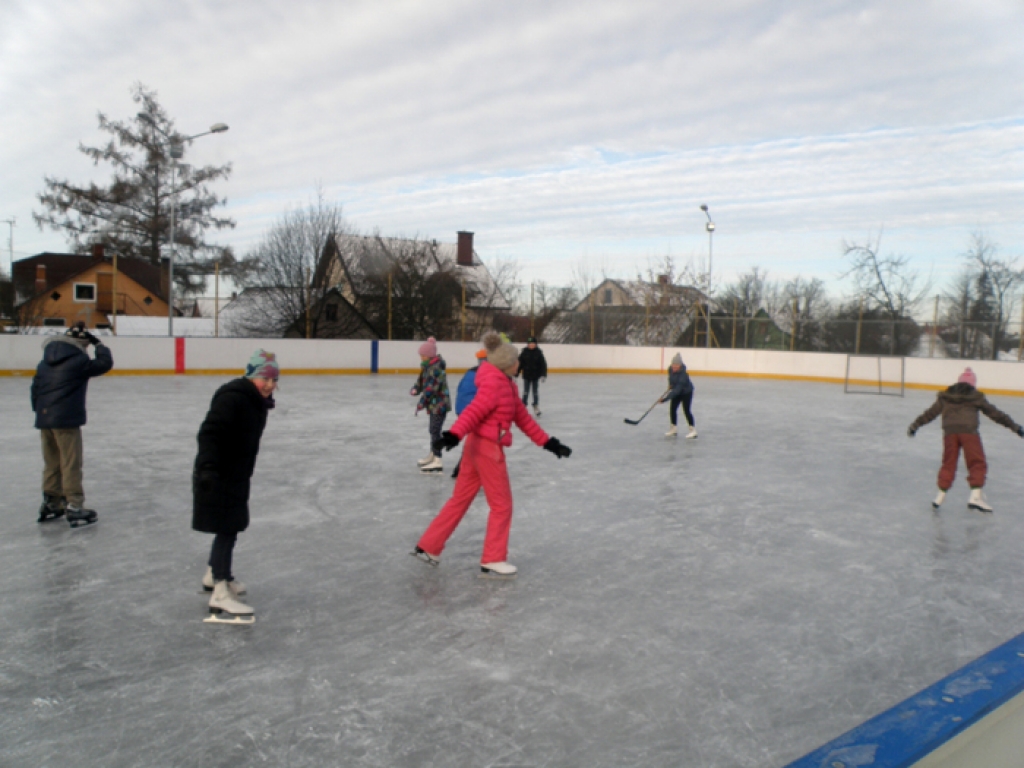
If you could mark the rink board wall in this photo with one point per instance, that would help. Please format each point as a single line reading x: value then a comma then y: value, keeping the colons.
x: 974, y: 718
x: 211, y: 356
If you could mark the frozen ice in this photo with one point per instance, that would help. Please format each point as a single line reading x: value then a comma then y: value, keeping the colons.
x: 734, y: 600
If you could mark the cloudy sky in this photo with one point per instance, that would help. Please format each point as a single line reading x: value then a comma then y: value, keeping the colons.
x: 561, y: 133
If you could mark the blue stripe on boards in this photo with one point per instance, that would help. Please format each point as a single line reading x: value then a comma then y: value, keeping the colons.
x: 912, y: 729
x: 374, y: 356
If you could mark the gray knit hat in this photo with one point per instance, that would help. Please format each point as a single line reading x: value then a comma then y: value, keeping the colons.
x: 500, y: 354
x: 677, y: 360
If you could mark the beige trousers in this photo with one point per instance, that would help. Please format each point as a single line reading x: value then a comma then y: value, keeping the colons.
x: 62, y: 464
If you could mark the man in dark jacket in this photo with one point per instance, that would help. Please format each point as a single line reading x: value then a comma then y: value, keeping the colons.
x: 533, y: 368
x: 58, y: 399
x: 229, y: 440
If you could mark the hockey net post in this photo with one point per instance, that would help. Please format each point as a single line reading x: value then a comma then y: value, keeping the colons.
x: 875, y: 375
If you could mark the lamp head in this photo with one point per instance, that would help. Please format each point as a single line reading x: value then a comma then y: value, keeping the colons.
x: 218, y: 128
x: 704, y: 208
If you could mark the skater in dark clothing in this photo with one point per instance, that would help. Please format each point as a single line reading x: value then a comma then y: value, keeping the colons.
x: 681, y: 392
x: 465, y: 393
x: 532, y: 367
x: 229, y: 440
x: 58, y: 399
x: 959, y: 406
x: 432, y: 387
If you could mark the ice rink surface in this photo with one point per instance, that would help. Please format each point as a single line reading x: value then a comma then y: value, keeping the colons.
x: 731, y: 601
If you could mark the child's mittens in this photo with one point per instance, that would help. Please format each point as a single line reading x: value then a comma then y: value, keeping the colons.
x: 1020, y: 431
x: 911, y: 431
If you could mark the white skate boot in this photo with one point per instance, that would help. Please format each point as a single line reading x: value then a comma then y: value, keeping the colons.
x: 672, y: 431
x: 225, y: 608
x: 977, y: 501
x: 939, y: 498
x: 236, y: 587
x: 497, y: 571
x: 692, y: 434
x: 433, y: 467
x: 425, y: 460
x: 536, y: 410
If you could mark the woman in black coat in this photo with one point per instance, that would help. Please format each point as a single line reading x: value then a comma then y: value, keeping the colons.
x: 229, y: 440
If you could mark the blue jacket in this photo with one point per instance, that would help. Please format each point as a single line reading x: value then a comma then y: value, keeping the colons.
x: 680, y: 382
x: 466, y: 392
x: 58, y: 388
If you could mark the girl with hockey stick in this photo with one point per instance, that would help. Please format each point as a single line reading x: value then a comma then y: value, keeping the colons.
x: 959, y: 406
x: 229, y: 440
x: 432, y: 387
x: 680, y: 391
x: 486, y: 424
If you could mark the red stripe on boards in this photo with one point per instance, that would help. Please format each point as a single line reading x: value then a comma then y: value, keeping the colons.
x: 179, y: 354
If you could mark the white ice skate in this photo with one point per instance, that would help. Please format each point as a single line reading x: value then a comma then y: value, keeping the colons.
x: 426, y: 557
x: 977, y: 501
x: 939, y: 498
x: 237, y: 587
x: 497, y: 571
x: 536, y: 410
x: 692, y: 434
x: 434, y: 467
x: 672, y: 431
x: 225, y: 608
x: 425, y: 460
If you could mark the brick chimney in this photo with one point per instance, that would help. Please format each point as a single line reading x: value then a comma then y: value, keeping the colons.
x: 465, y: 252
x: 97, y: 251
x: 663, y: 279
x: 40, y: 278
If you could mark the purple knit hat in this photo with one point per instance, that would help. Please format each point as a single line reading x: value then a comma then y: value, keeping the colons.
x: 968, y: 377
x: 428, y: 348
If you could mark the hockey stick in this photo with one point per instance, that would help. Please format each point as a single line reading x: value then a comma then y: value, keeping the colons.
x: 634, y: 423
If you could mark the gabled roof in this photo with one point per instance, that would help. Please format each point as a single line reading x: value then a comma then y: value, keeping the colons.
x: 640, y: 292
x: 62, y: 267
x: 364, y: 257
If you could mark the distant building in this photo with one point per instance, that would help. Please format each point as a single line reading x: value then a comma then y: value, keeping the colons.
x: 61, y: 289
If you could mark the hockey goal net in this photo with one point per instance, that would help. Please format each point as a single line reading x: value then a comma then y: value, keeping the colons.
x: 875, y: 375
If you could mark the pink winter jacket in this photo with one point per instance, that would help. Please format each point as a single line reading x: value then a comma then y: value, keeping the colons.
x: 495, y: 408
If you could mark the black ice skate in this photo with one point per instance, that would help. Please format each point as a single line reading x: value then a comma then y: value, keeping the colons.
x: 426, y: 557
x: 52, y: 508
x: 77, y: 517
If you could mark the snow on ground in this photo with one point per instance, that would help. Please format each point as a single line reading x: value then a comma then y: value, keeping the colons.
x: 731, y: 601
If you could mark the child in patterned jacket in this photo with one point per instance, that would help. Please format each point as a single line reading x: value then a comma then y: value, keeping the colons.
x: 432, y: 388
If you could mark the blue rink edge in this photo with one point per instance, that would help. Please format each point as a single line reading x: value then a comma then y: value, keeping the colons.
x: 917, y: 726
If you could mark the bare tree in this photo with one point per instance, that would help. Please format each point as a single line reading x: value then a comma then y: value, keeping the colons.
x: 886, y: 283
x: 995, y: 281
x: 292, y: 277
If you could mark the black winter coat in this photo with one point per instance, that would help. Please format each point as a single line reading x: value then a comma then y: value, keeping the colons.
x: 679, y: 382
x: 229, y: 440
x: 532, y: 364
x: 61, y: 380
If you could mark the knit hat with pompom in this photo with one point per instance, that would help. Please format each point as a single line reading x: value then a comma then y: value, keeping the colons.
x: 968, y: 377
x: 501, y: 355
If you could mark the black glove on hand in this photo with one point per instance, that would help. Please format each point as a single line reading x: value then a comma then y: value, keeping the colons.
x: 446, y: 443
x: 561, y: 451
x: 1020, y: 431
x: 91, y: 339
x: 207, y: 480
x: 911, y: 431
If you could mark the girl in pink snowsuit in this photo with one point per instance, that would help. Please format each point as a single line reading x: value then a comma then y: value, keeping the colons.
x: 486, y: 425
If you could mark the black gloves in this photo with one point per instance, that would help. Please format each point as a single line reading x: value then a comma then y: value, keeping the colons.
x: 206, y: 480
x: 911, y: 431
x: 1020, y: 431
x: 91, y: 339
x: 446, y: 443
x: 561, y: 451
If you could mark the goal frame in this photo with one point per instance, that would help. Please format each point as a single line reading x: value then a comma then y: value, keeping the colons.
x: 881, y: 384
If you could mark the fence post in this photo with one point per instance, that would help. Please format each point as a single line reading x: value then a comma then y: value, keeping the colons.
x: 796, y: 326
x: 735, y: 311
x: 935, y: 328
x: 1020, y: 349
x: 591, y: 317
x: 860, y: 322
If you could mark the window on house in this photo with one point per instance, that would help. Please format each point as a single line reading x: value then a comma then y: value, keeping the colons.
x: 85, y: 292
x: 54, y: 321
x: 607, y: 295
x: 332, y: 313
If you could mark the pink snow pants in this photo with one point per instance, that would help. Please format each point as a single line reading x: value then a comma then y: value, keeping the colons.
x: 483, y: 464
x: 974, y: 458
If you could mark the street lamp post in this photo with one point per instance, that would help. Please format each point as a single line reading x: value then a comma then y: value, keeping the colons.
x: 176, y: 150
x: 710, y: 227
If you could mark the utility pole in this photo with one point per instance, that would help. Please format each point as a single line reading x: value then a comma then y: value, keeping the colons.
x: 11, y: 222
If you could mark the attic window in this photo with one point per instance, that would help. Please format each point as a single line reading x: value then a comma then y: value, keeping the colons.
x: 85, y: 292
x: 607, y: 295
x: 55, y: 296
x: 148, y: 300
